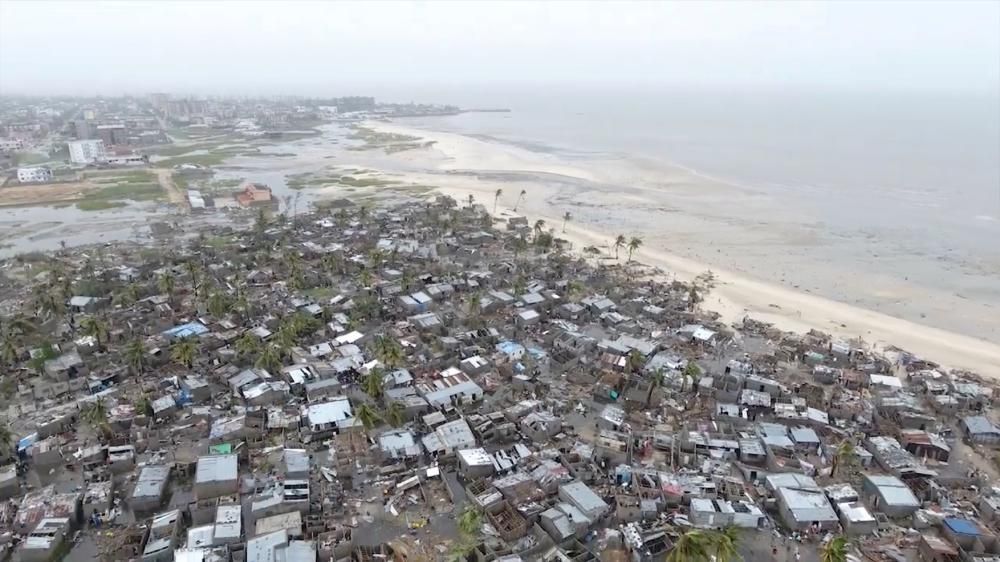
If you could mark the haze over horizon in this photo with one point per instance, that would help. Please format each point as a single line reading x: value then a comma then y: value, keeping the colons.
x: 382, y: 48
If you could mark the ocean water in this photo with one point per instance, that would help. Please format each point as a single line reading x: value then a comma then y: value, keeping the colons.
x: 924, y: 169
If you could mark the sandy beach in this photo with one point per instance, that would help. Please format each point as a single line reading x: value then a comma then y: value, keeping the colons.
x: 463, y: 166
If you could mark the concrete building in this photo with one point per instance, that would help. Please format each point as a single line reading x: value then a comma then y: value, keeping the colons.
x: 475, y: 463
x: 217, y: 475
x: 889, y: 495
x: 34, y: 175
x: 976, y: 429
x: 856, y: 519
x: 41, y: 544
x: 9, y: 484
x: 585, y: 499
x: 87, y: 151
x: 800, y: 509
x: 147, y: 495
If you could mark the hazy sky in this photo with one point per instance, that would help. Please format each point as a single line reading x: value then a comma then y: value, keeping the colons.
x: 323, y: 47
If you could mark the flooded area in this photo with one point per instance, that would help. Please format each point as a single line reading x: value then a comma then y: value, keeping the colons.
x: 48, y: 227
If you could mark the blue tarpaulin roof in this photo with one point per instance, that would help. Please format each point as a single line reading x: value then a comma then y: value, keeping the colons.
x: 186, y: 330
x: 962, y: 526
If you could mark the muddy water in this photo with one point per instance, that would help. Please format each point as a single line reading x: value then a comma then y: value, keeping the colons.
x: 40, y: 228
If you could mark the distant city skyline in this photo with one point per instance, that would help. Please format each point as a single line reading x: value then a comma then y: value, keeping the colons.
x: 385, y: 49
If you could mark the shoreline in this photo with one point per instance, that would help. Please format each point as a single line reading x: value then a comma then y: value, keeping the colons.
x: 736, y: 295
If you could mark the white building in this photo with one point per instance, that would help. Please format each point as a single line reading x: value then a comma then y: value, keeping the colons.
x: 34, y: 175
x: 87, y: 151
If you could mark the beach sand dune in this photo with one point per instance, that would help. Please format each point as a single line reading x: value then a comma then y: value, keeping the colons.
x: 736, y: 295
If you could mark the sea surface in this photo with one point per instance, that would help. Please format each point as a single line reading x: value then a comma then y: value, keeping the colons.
x: 902, y: 189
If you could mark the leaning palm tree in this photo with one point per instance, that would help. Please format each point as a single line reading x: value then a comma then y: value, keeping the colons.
x: 96, y: 414
x: 843, y: 456
x: 6, y: 438
x: 184, y: 352
x: 520, y: 197
x: 620, y: 242
x: 566, y: 218
x: 835, y: 550
x: 94, y: 326
x: 538, y: 228
x: 135, y: 356
x: 496, y: 197
x: 633, y: 245
x: 367, y: 416
x: 167, y: 283
x: 374, y: 383
x: 395, y: 414
x: 692, y: 546
x: 724, y: 544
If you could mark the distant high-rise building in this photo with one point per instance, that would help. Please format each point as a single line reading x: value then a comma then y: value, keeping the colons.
x: 87, y: 151
x: 112, y: 135
x: 83, y: 129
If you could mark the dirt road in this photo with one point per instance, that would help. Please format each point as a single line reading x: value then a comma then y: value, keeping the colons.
x: 18, y: 195
x: 166, y: 178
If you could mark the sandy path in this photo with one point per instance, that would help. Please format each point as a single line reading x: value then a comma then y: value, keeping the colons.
x: 41, y: 194
x: 736, y: 295
x: 166, y: 178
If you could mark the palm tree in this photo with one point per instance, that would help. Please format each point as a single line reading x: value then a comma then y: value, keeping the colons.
x: 520, y: 245
x: 247, y: 345
x: 395, y: 414
x: 692, y: 546
x: 144, y: 406
x: 475, y: 303
x: 135, y: 356
x: 835, y: 550
x: 94, y: 326
x: 19, y: 325
x: 472, y: 200
x: 166, y: 283
x: 633, y: 245
x: 193, y: 272
x: 8, y: 349
x: 635, y: 360
x: 367, y: 415
x: 6, y: 439
x: 374, y: 383
x: 470, y: 521
x: 620, y: 242
x: 519, y: 198
x: 218, y: 304
x: 496, y: 197
x: 724, y: 544
x: 539, y: 225
x: 389, y: 352
x: 96, y: 414
x: 269, y: 358
x: 566, y: 218
x: 184, y: 352
x: 843, y: 456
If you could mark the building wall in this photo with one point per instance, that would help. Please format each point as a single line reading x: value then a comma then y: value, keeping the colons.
x: 87, y: 151
x: 34, y: 175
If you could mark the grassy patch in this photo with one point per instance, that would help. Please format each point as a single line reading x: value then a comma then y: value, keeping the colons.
x: 213, y: 158
x: 119, y: 177
x: 98, y: 205
x: 320, y: 293
x: 303, y: 181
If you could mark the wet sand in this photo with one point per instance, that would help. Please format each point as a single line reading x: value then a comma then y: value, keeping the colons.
x: 687, y: 220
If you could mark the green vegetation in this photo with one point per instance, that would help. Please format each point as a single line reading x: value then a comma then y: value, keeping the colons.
x: 390, y: 142
x: 98, y: 205
x: 113, y: 196
x: 121, y: 177
x: 213, y: 158
x: 303, y: 181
